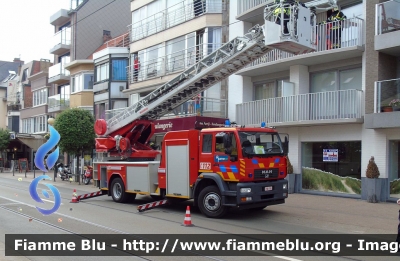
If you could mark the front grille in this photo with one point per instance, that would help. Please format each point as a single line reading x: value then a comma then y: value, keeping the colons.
x: 266, y: 173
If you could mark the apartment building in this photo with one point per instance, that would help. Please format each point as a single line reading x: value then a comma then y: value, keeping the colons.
x: 332, y: 101
x: 166, y: 37
x: 9, y: 75
x: 79, y: 31
x: 26, y: 109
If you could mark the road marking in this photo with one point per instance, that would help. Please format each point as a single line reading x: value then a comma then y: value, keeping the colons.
x: 287, y: 258
x: 50, y: 201
x: 122, y: 232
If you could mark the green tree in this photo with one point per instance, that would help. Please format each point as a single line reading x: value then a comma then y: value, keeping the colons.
x: 76, y: 128
x: 4, y: 142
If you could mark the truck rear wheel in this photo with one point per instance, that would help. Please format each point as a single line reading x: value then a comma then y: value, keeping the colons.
x: 118, y: 191
x: 210, y: 202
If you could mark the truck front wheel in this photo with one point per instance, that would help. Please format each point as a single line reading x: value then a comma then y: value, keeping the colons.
x: 118, y: 191
x: 210, y: 202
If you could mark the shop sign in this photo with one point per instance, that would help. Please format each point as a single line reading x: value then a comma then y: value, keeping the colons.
x: 330, y: 155
x: 187, y: 123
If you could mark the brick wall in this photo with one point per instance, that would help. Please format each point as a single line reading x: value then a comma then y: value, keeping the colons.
x: 371, y: 56
x: 27, y: 97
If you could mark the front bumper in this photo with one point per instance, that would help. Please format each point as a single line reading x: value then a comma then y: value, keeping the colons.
x: 259, y: 196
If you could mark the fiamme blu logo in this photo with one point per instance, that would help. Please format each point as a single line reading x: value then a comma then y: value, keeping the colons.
x: 41, y: 162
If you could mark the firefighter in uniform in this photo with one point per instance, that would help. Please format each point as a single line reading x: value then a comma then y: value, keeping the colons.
x: 336, y: 27
x: 286, y: 14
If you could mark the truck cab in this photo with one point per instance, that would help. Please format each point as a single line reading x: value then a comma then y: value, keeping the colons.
x: 223, y: 168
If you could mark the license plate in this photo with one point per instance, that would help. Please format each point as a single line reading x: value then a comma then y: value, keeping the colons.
x: 268, y: 188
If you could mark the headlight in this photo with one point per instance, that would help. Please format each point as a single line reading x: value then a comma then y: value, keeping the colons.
x: 284, y: 186
x: 245, y: 190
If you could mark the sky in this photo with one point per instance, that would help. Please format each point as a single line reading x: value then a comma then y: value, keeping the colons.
x: 25, y: 28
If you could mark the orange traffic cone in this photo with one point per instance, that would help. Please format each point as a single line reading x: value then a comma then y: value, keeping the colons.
x: 74, y: 199
x: 188, y: 220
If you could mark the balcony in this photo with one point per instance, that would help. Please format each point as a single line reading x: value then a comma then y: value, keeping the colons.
x: 251, y: 10
x: 58, y: 103
x: 14, y: 107
x: 207, y: 107
x: 351, y: 46
x: 304, y: 110
x: 58, y: 74
x: 61, y: 42
x: 172, y: 16
x: 387, y: 28
x: 59, y: 18
x: 385, y: 114
x: 120, y: 41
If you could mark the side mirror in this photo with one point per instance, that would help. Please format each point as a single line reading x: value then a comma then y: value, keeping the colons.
x: 285, y: 144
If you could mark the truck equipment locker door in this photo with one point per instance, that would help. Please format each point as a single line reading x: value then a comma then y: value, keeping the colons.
x: 177, y: 168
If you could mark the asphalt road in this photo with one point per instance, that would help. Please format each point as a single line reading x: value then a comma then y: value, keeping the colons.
x: 301, y: 214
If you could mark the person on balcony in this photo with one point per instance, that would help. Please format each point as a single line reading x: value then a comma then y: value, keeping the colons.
x: 336, y: 26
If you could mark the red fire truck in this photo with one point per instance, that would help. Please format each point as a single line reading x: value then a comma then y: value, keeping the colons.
x: 219, y: 168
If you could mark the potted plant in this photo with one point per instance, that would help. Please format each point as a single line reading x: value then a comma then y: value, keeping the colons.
x: 386, y: 108
x: 373, y: 182
x: 395, y: 104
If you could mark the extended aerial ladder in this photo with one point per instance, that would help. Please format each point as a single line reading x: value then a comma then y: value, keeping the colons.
x: 125, y: 136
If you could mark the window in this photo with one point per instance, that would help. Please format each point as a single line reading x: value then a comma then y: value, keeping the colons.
x: 25, y: 74
x: 102, y: 72
x: 119, y: 70
x: 82, y: 82
x: 27, y: 125
x: 34, y: 125
x: 207, y: 142
x: 348, y: 79
x: 268, y: 90
x: 100, y: 110
x: 40, y: 97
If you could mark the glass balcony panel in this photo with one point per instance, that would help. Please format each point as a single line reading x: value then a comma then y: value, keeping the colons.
x: 388, y: 17
x: 387, y: 95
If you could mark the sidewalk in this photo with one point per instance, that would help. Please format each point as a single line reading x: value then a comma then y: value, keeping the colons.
x: 66, y: 184
x: 344, y: 215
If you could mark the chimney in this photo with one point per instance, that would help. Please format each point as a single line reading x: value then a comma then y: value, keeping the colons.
x: 106, y: 36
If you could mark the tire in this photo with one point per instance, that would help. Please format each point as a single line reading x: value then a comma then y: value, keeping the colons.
x: 210, y: 202
x: 86, y: 181
x: 118, y: 191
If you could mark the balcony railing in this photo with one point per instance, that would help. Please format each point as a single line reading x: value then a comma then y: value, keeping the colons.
x: 59, y: 69
x: 14, y: 107
x: 58, y: 102
x: 319, y: 106
x: 385, y: 92
x: 171, y: 63
x: 244, y: 5
x: 350, y: 35
x: 62, y: 37
x: 387, y: 17
x: 120, y: 41
x: 174, y: 15
x: 208, y: 107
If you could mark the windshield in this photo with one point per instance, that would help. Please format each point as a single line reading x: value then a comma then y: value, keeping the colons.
x: 260, y: 143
